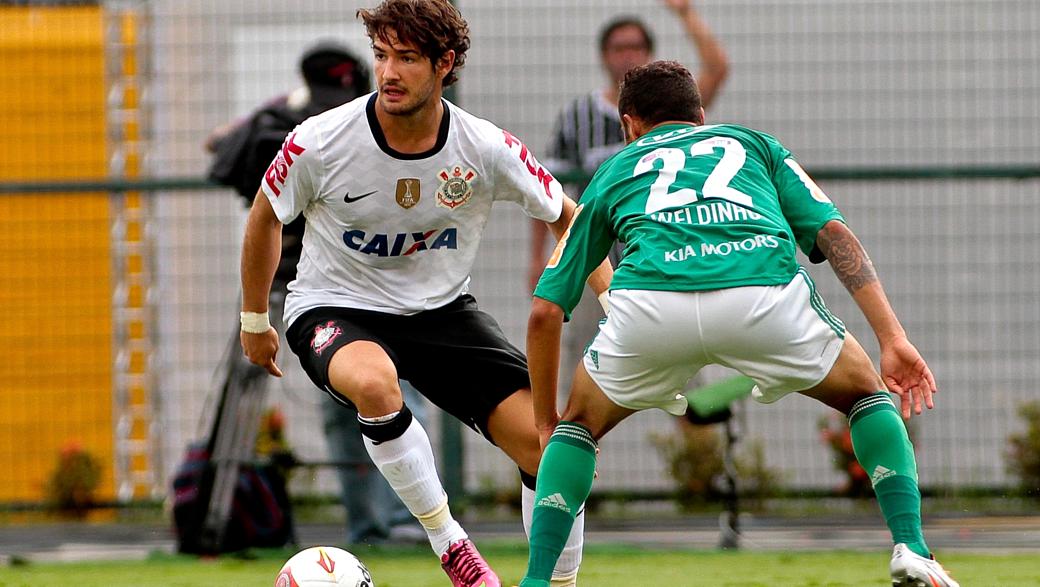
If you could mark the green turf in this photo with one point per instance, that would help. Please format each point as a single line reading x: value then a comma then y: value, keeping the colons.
x: 613, y: 566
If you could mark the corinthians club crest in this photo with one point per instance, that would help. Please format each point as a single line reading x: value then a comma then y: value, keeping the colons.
x: 324, y: 335
x: 455, y: 187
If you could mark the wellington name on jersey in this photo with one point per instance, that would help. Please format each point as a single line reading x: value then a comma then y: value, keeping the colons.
x: 397, y: 232
x: 698, y: 208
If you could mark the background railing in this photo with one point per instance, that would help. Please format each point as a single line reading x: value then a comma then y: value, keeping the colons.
x: 167, y: 184
x: 955, y: 247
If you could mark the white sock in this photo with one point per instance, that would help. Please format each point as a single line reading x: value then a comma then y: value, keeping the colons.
x: 408, y: 466
x: 570, y: 559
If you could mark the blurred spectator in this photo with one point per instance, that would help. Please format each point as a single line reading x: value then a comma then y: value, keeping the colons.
x: 588, y: 131
x: 243, y: 150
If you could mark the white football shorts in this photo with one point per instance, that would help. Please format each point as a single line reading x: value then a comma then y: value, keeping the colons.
x: 653, y: 342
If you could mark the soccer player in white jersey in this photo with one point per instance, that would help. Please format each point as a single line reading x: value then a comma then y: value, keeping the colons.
x: 396, y: 188
x: 712, y: 216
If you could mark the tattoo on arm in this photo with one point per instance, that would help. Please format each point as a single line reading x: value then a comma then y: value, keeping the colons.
x: 846, y: 255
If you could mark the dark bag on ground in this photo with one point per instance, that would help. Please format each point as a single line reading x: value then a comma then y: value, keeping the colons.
x: 261, y: 515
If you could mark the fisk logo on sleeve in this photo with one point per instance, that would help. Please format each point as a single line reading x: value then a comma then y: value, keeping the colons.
x: 544, y: 177
x: 279, y: 169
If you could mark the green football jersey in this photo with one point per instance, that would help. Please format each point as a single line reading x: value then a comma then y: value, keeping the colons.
x: 698, y: 208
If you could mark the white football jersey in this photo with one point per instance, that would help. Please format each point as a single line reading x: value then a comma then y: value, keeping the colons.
x: 396, y: 232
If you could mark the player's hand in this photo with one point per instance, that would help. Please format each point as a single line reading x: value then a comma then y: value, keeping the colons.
x: 906, y: 374
x: 261, y: 349
x: 546, y: 429
x: 679, y: 7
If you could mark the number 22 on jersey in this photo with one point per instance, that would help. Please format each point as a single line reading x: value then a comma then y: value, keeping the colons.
x: 715, y: 186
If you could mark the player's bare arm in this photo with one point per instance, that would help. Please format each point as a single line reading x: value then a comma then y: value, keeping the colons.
x: 599, y: 280
x: 544, y: 328
x: 537, y: 256
x: 261, y: 250
x: 902, y: 367
x: 847, y: 256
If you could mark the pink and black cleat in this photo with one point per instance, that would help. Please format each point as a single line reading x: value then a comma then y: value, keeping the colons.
x: 466, y: 568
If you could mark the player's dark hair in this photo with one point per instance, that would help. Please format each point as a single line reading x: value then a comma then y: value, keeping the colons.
x: 660, y: 91
x: 621, y: 22
x: 434, y: 26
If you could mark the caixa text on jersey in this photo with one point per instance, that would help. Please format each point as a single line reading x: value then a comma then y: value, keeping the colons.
x: 394, y: 245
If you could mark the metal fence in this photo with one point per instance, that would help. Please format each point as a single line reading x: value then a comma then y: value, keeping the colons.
x: 118, y: 305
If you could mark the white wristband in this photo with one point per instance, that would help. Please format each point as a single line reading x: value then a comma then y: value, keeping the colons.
x: 604, y: 300
x: 255, y: 322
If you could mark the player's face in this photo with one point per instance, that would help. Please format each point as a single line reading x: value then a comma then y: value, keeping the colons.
x: 406, y: 79
x: 625, y: 48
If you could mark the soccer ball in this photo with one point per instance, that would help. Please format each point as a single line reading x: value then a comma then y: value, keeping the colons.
x: 323, y: 566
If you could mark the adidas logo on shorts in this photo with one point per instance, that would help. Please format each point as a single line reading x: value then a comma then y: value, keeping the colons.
x: 555, y: 501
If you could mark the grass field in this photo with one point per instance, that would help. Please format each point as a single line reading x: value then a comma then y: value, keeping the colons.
x: 613, y: 566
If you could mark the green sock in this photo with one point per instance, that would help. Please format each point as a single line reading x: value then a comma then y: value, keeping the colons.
x: 564, y: 482
x: 884, y: 449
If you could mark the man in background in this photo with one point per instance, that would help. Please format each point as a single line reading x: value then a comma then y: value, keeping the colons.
x: 588, y: 130
x: 243, y: 149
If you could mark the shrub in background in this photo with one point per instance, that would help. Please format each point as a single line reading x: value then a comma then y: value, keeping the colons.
x: 1023, y: 454
x: 272, y: 446
x: 834, y: 432
x: 694, y: 455
x: 694, y: 458
x: 71, y: 487
x: 756, y: 480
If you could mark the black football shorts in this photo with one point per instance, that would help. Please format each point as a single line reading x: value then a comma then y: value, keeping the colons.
x: 455, y: 355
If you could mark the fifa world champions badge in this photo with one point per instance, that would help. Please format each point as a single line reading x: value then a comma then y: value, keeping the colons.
x: 455, y: 187
x: 324, y: 335
x: 408, y: 192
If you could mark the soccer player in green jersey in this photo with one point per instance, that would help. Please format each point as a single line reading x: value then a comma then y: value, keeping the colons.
x: 711, y: 216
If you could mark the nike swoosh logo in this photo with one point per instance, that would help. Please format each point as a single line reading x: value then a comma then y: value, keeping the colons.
x: 350, y: 200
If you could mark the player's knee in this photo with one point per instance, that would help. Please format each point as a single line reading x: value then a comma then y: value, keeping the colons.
x: 375, y: 393
x: 522, y: 446
x: 583, y: 418
x: 863, y: 380
x: 598, y: 429
x: 851, y: 379
x: 527, y: 459
x: 858, y: 387
x: 521, y: 443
